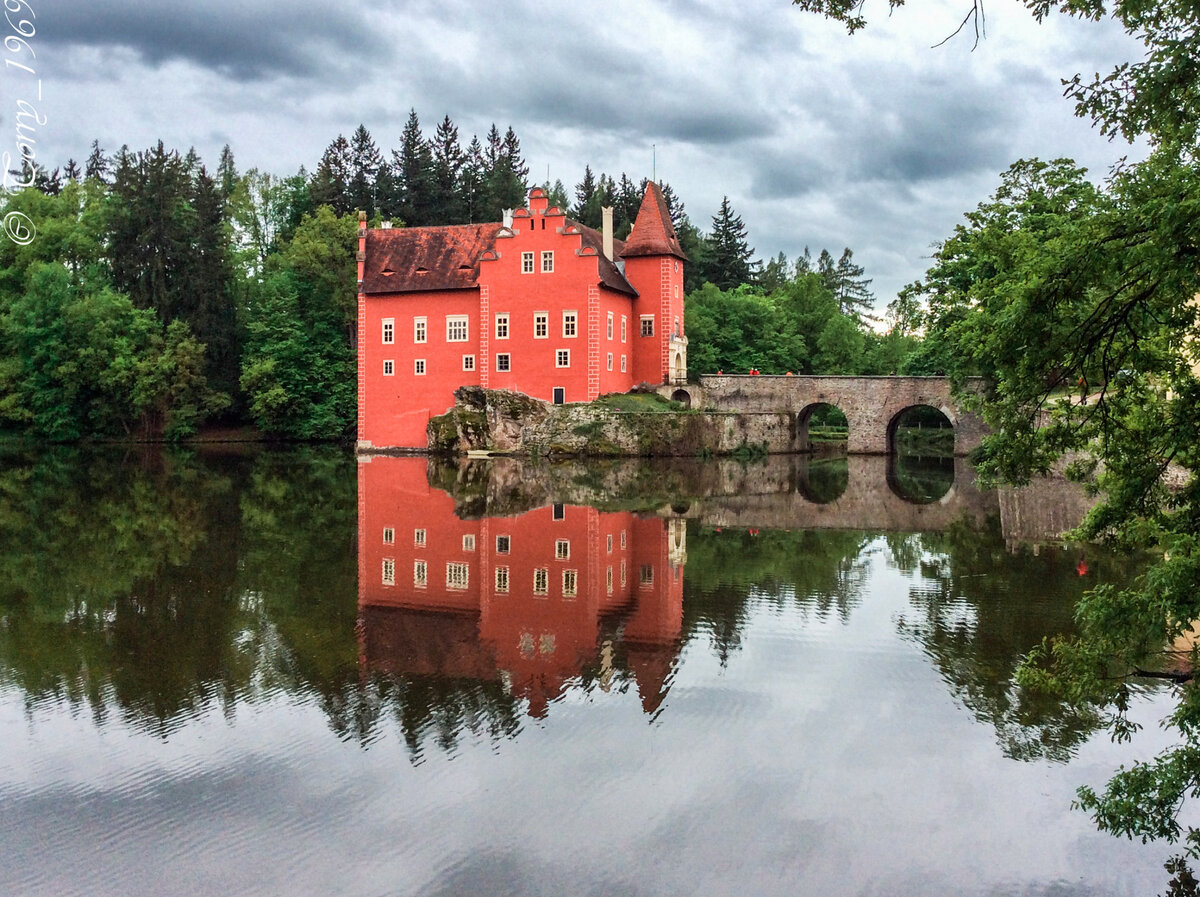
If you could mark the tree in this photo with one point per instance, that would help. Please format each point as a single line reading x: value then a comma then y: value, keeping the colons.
x: 728, y: 263
x: 850, y: 286
x: 448, y: 161
x: 330, y: 185
x: 412, y: 165
x: 365, y: 162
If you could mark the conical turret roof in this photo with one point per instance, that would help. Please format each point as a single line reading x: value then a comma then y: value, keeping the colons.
x: 653, y: 233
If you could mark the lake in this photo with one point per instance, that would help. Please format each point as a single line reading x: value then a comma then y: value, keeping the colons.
x: 257, y: 672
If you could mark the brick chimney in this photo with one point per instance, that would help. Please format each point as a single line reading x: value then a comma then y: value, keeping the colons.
x: 607, y: 231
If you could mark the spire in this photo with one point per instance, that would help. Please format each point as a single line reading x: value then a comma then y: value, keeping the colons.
x: 653, y: 233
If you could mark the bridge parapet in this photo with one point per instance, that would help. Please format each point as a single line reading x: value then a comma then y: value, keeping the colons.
x: 872, y: 405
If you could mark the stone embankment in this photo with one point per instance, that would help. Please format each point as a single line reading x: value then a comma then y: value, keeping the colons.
x: 500, y: 422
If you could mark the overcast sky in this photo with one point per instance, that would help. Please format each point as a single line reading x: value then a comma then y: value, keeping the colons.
x: 878, y: 141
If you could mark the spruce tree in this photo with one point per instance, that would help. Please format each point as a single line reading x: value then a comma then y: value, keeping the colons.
x: 728, y: 263
x: 365, y: 163
x: 413, y: 167
x: 448, y: 161
x: 97, y: 165
x: 330, y: 183
x: 472, y: 185
x: 854, y: 298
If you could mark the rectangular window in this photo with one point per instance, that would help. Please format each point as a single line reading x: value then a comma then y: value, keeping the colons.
x: 469, y: 542
x: 468, y: 362
x: 419, y: 538
x: 570, y: 320
x: 623, y: 576
x: 541, y: 324
x: 456, y: 328
x: 610, y: 361
x: 503, y: 362
x: 562, y: 549
x: 622, y: 540
x: 559, y: 512
x: 608, y: 580
x: 610, y: 325
x: 560, y: 395
x: 624, y: 327
x: 647, y: 325
x: 541, y: 581
x: 622, y: 364
x: 562, y: 358
x: 501, y: 326
x: 610, y: 543
x: 526, y: 262
x: 502, y: 579
x: 570, y: 583
x: 389, y: 368
x: 389, y: 331
x: 418, y: 330
x: 389, y: 571
x: 457, y: 575
x: 646, y: 576
x: 419, y: 367
x: 389, y: 536
x: 502, y: 543
x: 547, y: 261
x: 420, y: 578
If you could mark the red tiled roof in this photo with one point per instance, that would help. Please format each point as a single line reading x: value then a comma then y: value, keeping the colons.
x: 610, y: 275
x: 407, y: 259
x: 653, y: 233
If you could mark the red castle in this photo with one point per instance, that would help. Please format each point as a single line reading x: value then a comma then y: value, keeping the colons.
x: 537, y: 304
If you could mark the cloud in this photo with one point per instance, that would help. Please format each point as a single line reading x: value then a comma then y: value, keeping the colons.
x: 251, y: 40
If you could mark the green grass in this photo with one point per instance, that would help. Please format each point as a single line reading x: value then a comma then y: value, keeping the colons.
x: 639, y: 402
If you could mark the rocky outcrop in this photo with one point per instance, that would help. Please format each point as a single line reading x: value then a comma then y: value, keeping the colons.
x: 500, y: 422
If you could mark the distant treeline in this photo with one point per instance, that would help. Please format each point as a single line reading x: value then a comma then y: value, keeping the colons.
x: 148, y: 295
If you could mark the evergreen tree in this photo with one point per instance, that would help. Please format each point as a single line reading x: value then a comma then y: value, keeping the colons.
x: 728, y: 263
x: 854, y: 298
x: 71, y: 171
x: 448, y: 162
x: 205, y: 297
x: 330, y: 185
x: 627, y: 201
x: 507, y: 177
x: 413, y: 166
x: 227, y: 176
x: 585, y: 192
x: 472, y: 187
x: 775, y: 274
x: 556, y: 193
x: 97, y: 165
x: 365, y: 162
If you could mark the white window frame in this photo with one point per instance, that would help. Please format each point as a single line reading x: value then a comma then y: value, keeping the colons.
x: 608, y: 580
x: 388, y: 334
x: 389, y: 536
x: 646, y: 575
x: 420, y: 329
x: 456, y: 325
x: 468, y: 541
x: 624, y: 329
x: 646, y: 319
x: 419, y: 367
x: 610, y: 325
x: 468, y: 362
x: 570, y: 583
x: 458, y: 575
x: 622, y: 540
x: 389, y: 571
x: 501, y: 580
x: 420, y: 574
x: 541, y: 581
x: 610, y: 543
x: 502, y: 326
x: 541, y: 322
x: 547, y: 261
x: 622, y: 364
x: 503, y: 547
x: 389, y: 367
x: 503, y: 363
x: 562, y: 549
x: 562, y: 358
x: 610, y: 361
x: 624, y: 573
x: 570, y: 324
x: 526, y: 262
x: 419, y: 538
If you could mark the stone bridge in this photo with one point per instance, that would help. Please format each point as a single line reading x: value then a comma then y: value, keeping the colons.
x: 873, y: 405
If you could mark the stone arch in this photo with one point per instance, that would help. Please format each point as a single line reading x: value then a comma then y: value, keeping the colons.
x: 804, y: 421
x: 945, y: 412
x: 678, y: 367
x: 683, y: 397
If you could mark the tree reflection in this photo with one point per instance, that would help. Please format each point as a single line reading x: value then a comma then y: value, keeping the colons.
x: 979, y: 608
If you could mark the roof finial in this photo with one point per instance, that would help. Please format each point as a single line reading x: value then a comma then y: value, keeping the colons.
x: 654, y: 162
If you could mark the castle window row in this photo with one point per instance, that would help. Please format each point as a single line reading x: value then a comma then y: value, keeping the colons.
x: 458, y: 327
x: 562, y: 547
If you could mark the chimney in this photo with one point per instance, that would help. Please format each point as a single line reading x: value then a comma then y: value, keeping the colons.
x: 607, y: 230
x: 508, y: 218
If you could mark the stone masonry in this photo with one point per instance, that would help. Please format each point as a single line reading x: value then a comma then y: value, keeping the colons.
x: 872, y: 405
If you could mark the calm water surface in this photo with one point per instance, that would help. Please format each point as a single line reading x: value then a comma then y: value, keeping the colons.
x: 289, y: 673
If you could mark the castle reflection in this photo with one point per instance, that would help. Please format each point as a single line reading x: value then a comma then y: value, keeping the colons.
x: 533, y: 601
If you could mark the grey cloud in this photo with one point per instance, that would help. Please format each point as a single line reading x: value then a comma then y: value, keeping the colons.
x: 253, y: 40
